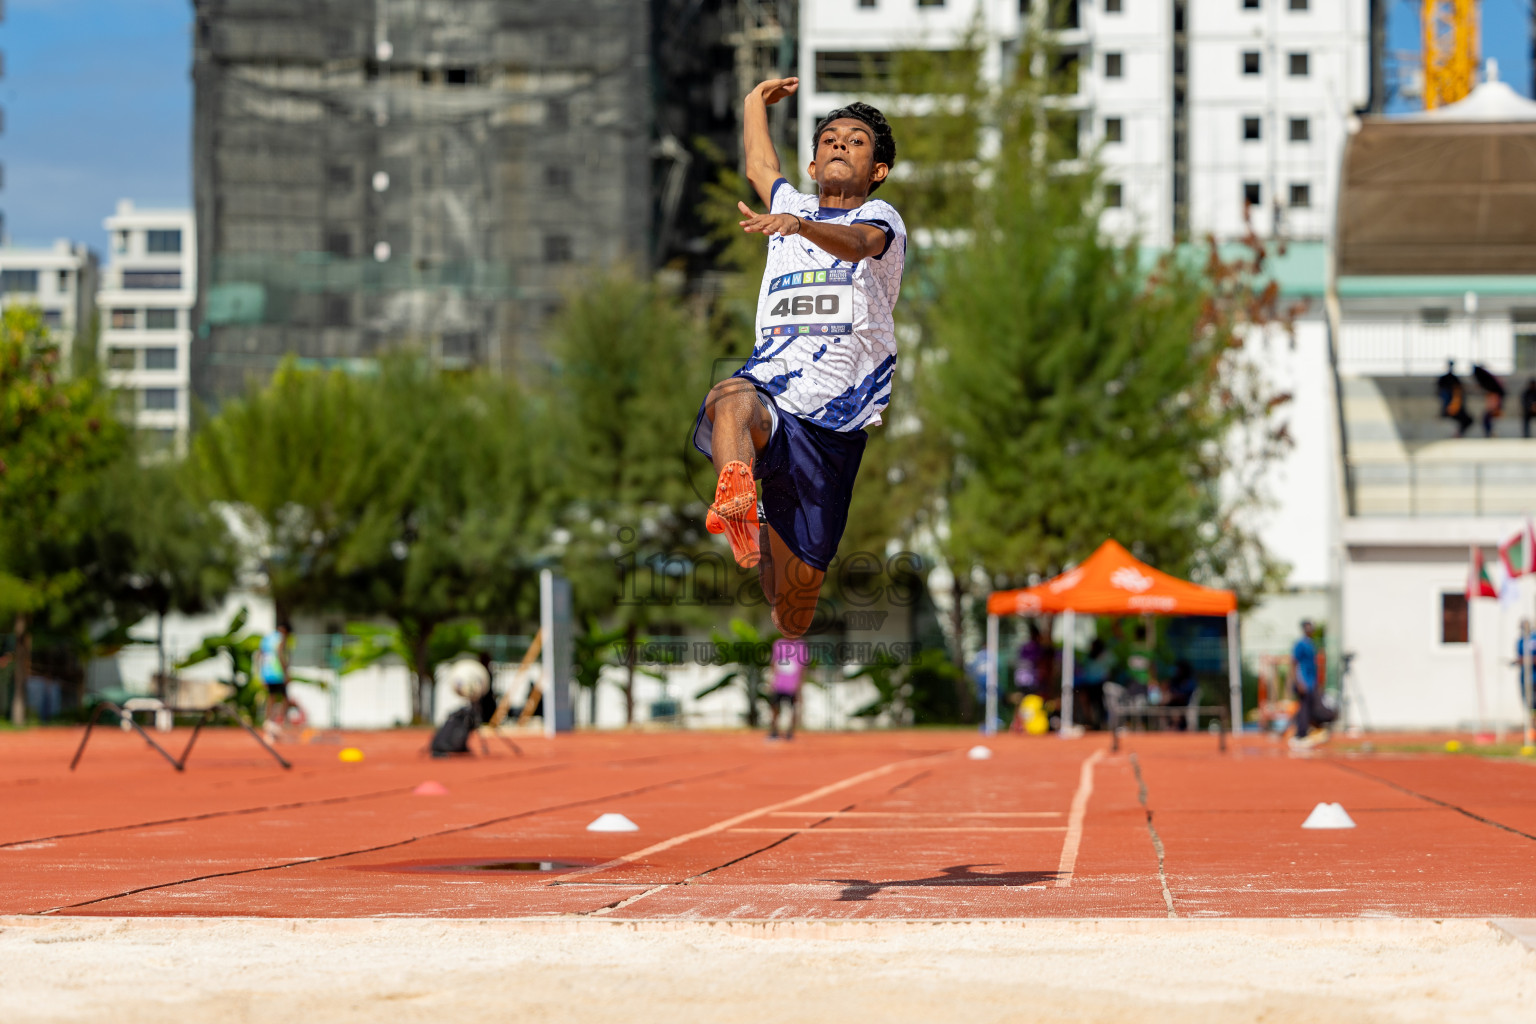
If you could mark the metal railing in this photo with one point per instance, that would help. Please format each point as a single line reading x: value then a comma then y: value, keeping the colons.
x: 1419, y: 487
x: 1410, y: 347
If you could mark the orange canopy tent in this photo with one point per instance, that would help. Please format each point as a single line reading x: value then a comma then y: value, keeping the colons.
x: 1111, y: 581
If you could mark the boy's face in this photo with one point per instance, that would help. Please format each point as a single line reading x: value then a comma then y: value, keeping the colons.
x: 845, y: 157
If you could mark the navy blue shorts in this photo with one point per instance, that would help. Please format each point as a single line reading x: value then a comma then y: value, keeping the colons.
x: 807, y: 473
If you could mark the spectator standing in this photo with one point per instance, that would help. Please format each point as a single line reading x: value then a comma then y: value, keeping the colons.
x: 1090, y: 685
x: 270, y: 666
x: 1525, y: 653
x: 789, y: 658
x: 1305, y: 677
x: 1528, y: 405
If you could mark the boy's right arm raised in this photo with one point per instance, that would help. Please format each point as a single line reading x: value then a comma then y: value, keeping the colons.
x: 762, y: 162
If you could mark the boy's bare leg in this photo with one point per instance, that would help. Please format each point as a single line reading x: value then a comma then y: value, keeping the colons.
x: 796, y: 587
x: 741, y: 426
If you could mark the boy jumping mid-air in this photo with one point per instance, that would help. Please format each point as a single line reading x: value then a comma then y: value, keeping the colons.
x: 823, y: 358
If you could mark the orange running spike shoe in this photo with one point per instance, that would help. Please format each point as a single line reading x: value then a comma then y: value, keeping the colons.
x: 734, y: 512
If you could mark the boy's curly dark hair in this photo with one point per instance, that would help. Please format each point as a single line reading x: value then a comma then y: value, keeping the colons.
x: 885, y: 142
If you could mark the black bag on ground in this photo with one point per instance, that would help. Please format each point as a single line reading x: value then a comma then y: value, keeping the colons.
x: 1325, y: 707
x: 452, y: 737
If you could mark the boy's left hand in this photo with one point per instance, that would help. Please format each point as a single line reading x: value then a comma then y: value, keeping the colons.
x: 768, y: 223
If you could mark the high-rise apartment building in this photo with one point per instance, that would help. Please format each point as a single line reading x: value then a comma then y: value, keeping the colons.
x: 60, y: 281
x: 148, y: 288
x: 1199, y: 110
x: 372, y: 173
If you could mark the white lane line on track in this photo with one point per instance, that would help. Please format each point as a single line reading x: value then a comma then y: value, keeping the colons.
x: 916, y: 814
x: 734, y: 820
x: 904, y: 830
x: 1074, y: 837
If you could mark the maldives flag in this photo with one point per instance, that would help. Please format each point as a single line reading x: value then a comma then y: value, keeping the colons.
x: 1479, y: 583
x: 1519, y: 552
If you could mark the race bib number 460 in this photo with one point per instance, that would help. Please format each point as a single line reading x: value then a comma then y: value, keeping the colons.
x: 810, y: 302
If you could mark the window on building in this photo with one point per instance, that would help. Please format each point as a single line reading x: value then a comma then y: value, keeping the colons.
x: 160, y: 319
x: 338, y: 243
x: 160, y: 399
x: 1252, y: 194
x: 339, y: 177
x: 120, y: 358
x: 1300, y: 65
x: 18, y: 282
x: 1250, y: 5
x: 1299, y: 5
x: 120, y: 241
x: 162, y: 240
x: 851, y: 70
x: 1114, y: 65
x: 124, y: 319
x: 1253, y: 129
x: 1301, y: 197
x: 557, y: 113
x: 63, y: 281
x: 460, y: 76
x: 1453, y: 618
x: 1114, y: 195
x: 1301, y: 129
x: 338, y: 311
x: 1114, y: 129
x: 160, y: 358
x: 160, y: 280
x: 1434, y: 316
x: 1250, y: 62
x: 1112, y: 7
x: 160, y: 440
x: 53, y: 319
x: 557, y: 178
x: 558, y: 249
x: 930, y: 3
x: 866, y: 3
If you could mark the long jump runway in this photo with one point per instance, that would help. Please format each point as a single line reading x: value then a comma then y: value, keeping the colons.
x: 730, y: 827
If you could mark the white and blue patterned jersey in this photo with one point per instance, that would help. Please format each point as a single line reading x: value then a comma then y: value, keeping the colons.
x: 826, y: 339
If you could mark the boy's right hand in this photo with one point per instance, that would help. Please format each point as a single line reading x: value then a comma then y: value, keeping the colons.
x: 775, y: 89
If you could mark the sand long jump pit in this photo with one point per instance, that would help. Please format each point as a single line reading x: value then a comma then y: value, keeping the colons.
x: 878, y: 876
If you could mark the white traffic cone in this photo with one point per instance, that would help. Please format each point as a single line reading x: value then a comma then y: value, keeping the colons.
x: 1328, y: 816
x: 612, y: 822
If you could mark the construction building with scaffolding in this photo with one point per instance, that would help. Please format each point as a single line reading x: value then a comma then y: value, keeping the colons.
x: 377, y: 173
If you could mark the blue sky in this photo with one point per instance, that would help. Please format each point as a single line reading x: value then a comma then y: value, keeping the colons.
x: 98, y: 104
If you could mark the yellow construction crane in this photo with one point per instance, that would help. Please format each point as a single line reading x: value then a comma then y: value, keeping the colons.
x: 1450, y: 50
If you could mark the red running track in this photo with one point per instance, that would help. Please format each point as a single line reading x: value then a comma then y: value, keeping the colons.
x: 887, y: 825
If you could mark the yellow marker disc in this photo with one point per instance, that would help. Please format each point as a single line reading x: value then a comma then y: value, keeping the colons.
x: 351, y: 754
x: 1528, y: 751
x: 1451, y: 746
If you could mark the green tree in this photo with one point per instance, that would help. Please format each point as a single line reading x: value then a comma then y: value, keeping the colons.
x: 459, y: 530
x: 154, y: 549
x: 631, y: 367
x: 298, y: 463
x: 56, y: 435
x: 749, y: 651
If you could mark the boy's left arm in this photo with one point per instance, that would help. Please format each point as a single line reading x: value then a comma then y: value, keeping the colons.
x: 850, y: 242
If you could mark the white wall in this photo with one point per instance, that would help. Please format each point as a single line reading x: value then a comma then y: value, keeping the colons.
x: 1301, y: 526
x: 1393, y: 578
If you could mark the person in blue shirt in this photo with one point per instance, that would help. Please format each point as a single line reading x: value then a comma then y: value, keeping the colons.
x: 1527, y: 641
x: 1304, y: 678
